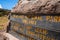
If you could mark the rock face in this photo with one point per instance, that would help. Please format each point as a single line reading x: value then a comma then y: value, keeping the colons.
x: 2, y: 37
x: 37, y: 7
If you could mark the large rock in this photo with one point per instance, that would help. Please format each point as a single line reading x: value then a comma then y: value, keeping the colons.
x: 37, y: 7
x: 2, y: 37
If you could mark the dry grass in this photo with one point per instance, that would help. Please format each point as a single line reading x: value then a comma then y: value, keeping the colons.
x: 3, y: 22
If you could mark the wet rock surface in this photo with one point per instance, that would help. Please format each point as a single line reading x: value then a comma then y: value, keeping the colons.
x: 37, y: 7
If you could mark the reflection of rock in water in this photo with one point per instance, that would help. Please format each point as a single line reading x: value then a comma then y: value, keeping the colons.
x: 2, y: 37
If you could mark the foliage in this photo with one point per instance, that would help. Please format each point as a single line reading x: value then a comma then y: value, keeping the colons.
x: 4, y: 12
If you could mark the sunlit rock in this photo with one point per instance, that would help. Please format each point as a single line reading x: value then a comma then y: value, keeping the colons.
x: 37, y: 7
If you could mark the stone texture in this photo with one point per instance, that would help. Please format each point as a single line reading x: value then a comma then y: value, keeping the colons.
x: 2, y: 37
x: 37, y: 7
